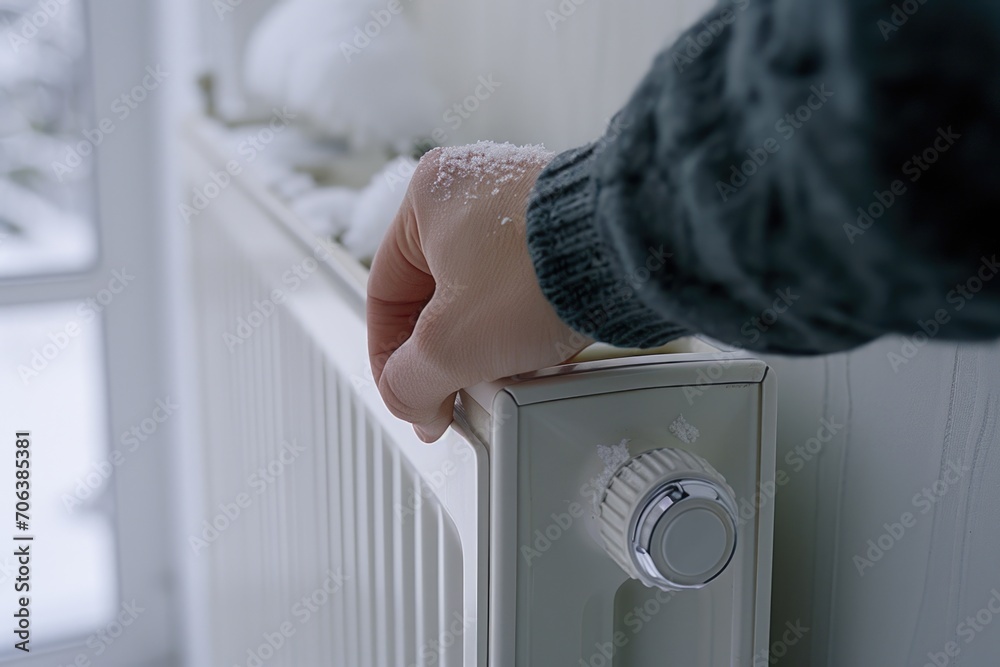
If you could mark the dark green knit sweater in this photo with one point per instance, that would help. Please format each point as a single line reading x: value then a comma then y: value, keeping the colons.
x: 796, y: 176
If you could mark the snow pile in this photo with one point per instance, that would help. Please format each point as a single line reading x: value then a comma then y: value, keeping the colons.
x: 357, y: 218
x: 347, y: 74
x: 376, y: 207
x: 326, y: 211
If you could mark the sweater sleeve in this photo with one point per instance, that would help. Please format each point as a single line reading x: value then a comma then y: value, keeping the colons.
x: 798, y: 180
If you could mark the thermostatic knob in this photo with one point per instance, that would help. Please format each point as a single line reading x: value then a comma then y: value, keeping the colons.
x: 669, y: 519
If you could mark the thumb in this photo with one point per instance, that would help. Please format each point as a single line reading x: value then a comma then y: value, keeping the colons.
x: 417, y: 392
x: 435, y: 428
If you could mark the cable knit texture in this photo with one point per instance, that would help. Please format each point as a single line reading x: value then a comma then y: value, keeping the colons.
x: 795, y: 176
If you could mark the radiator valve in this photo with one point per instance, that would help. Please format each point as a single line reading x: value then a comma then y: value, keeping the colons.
x: 669, y: 519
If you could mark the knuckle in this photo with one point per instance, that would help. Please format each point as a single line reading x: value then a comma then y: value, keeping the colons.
x: 430, y: 340
x: 426, y: 172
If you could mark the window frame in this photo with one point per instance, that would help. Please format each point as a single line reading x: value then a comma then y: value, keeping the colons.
x: 132, y: 218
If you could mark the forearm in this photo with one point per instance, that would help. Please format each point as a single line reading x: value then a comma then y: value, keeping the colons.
x: 725, y: 198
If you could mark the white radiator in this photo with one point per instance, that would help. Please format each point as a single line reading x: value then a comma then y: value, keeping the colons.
x: 335, y: 538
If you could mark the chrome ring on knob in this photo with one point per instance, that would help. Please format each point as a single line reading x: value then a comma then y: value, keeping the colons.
x: 651, y: 533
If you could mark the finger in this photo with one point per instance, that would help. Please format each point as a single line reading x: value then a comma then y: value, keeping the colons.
x: 399, y: 287
x: 435, y: 428
x: 416, y: 389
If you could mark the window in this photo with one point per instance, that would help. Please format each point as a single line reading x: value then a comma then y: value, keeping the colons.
x: 46, y: 140
x: 57, y: 392
x: 84, y: 353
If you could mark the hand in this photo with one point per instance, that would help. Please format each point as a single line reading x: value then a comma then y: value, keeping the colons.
x: 452, y: 297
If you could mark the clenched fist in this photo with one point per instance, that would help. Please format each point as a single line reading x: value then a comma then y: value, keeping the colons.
x: 452, y: 296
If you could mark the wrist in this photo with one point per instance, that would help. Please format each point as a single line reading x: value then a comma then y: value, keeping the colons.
x: 578, y: 268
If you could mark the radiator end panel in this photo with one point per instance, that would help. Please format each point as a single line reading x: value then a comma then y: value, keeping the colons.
x: 556, y: 438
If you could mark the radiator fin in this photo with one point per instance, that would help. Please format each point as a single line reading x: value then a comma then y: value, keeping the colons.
x: 338, y: 545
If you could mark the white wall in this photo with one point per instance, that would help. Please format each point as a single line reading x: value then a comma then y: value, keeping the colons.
x: 901, y: 429
x: 558, y: 86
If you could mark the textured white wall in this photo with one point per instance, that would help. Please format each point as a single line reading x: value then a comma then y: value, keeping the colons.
x: 900, y: 429
x: 903, y: 430
x: 558, y: 86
